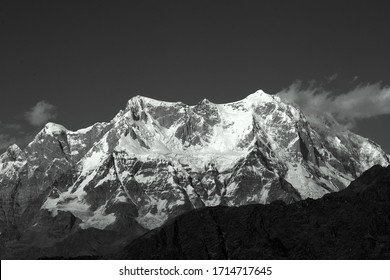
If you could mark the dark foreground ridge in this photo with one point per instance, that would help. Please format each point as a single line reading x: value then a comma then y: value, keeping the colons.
x: 351, y: 224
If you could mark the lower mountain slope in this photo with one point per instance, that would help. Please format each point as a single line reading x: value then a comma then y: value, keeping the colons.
x: 351, y: 224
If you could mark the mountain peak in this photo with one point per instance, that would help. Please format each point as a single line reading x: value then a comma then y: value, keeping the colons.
x: 205, y: 101
x: 255, y: 98
x: 261, y: 96
x: 140, y: 100
x: 53, y: 128
x: 14, y: 147
x: 14, y: 152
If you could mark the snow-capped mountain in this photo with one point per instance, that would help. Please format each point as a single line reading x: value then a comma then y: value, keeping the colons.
x: 156, y: 160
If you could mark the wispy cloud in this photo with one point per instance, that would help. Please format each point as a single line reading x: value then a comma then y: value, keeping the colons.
x: 14, y: 133
x: 41, y: 113
x: 362, y: 102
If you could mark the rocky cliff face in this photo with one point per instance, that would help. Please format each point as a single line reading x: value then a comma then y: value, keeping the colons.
x: 156, y: 160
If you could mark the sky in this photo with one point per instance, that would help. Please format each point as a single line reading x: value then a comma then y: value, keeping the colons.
x: 78, y: 62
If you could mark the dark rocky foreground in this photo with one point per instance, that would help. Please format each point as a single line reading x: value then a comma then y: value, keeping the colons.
x: 351, y: 224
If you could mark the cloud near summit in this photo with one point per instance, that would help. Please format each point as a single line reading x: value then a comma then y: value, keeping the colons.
x: 362, y: 102
x: 41, y: 113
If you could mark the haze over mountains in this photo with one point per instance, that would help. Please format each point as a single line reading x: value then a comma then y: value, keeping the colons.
x: 105, y: 185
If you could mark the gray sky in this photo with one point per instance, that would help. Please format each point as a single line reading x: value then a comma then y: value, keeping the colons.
x: 78, y: 62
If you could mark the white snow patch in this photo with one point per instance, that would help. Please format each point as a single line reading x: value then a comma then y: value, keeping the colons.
x: 53, y: 128
x: 99, y: 219
x: 302, y: 182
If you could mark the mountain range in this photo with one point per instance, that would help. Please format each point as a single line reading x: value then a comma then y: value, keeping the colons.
x: 93, y: 191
